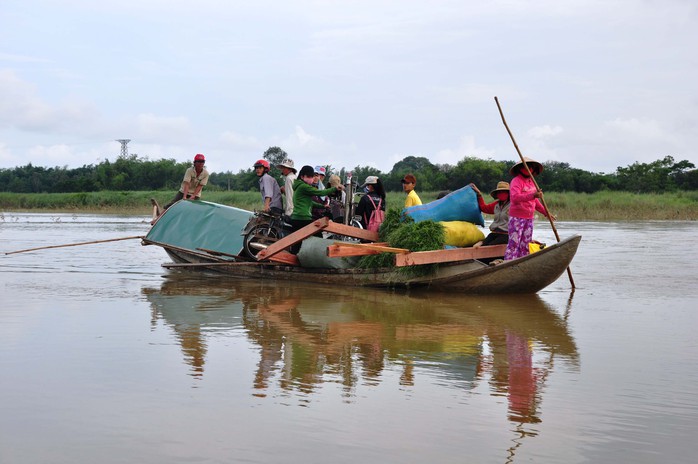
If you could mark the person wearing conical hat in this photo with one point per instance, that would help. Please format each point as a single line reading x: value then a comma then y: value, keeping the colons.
x: 524, y: 201
x: 499, y: 228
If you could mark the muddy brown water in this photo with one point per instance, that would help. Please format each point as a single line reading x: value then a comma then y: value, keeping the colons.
x: 107, y: 357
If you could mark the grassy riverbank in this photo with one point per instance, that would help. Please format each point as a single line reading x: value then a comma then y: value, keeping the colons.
x: 600, y: 206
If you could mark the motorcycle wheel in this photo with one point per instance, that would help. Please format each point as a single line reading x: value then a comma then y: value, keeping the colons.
x: 258, y: 239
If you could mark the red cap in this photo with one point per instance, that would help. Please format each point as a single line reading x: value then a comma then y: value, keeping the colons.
x: 409, y: 179
x: 199, y: 157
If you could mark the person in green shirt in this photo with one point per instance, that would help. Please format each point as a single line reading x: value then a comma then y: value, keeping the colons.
x: 303, y: 192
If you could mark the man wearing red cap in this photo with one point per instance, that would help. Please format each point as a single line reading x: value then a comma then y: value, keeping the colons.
x: 268, y: 187
x: 194, y: 180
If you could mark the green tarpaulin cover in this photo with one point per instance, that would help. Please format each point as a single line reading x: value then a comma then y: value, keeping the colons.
x: 201, y: 224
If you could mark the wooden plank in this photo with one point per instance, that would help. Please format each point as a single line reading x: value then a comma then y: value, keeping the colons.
x: 286, y: 258
x: 382, y: 247
x: 444, y: 256
x: 342, y: 249
x: 338, y: 251
x: 222, y: 253
x: 220, y: 263
x: 354, y: 232
x: 292, y: 239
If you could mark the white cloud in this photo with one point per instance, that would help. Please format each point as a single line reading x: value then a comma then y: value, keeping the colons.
x: 542, y: 132
x: 163, y: 128
x: 306, y: 148
x: 8, y: 57
x: 636, y: 128
x: 236, y: 140
x: 466, y: 148
x: 22, y: 108
x: 306, y: 139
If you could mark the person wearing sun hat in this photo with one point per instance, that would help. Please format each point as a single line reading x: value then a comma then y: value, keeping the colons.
x: 524, y: 201
x: 320, y: 171
x: 289, y: 172
x: 499, y: 233
x: 374, y: 198
x: 408, y: 184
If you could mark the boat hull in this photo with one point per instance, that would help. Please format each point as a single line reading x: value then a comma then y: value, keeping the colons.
x: 529, y: 274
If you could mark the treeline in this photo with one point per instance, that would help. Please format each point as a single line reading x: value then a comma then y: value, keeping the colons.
x: 132, y: 173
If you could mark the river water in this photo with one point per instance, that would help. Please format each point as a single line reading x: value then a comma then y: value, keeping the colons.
x: 107, y: 357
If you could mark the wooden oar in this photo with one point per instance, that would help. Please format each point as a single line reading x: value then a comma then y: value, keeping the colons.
x: 542, y: 200
x: 74, y: 244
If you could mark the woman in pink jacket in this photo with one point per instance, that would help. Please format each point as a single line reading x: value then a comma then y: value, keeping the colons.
x: 524, y: 198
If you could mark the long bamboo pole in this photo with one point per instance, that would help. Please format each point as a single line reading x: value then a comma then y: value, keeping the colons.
x: 74, y: 244
x: 542, y: 200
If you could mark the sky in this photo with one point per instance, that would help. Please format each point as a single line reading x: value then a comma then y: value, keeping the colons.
x: 595, y: 84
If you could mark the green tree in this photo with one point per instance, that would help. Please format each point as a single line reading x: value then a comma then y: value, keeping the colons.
x: 658, y: 176
x: 360, y: 173
x: 484, y: 173
x: 687, y: 180
x: 427, y: 174
x: 275, y: 156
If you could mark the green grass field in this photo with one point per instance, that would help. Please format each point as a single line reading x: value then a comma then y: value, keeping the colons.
x: 600, y: 206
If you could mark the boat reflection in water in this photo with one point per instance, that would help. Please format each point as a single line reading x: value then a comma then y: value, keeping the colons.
x: 310, y: 335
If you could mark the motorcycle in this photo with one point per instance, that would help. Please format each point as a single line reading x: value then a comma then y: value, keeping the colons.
x: 263, y: 229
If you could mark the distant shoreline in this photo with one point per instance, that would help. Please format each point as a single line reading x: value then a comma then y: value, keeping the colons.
x: 568, y: 206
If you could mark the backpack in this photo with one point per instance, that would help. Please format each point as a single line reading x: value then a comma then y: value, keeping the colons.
x: 377, y: 216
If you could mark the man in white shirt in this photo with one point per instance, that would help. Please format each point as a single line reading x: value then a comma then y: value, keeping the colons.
x: 289, y: 173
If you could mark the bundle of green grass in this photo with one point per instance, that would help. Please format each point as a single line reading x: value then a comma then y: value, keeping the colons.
x: 413, y: 236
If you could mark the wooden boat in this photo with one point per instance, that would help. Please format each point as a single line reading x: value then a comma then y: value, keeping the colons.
x: 204, y: 236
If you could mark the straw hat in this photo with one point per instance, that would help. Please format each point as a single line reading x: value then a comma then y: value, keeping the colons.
x: 501, y: 187
x: 287, y: 163
x: 533, y: 165
x: 335, y: 180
